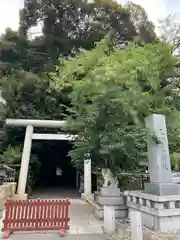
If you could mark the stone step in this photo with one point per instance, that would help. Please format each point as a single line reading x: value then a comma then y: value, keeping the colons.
x: 100, y: 207
x: 110, y: 191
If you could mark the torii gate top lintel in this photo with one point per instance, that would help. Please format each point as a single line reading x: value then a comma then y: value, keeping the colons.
x: 35, y: 123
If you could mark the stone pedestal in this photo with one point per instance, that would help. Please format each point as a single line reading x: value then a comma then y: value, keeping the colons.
x: 7, y: 190
x: 160, y: 213
x: 109, y: 196
x: 20, y: 197
x: 162, y: 189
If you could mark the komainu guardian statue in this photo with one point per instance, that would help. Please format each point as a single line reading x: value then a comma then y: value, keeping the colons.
x: 109, y: 179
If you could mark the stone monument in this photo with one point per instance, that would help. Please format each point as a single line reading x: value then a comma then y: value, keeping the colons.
x: 159, y: 159
x: 159, y: 204
x: 109, y: 195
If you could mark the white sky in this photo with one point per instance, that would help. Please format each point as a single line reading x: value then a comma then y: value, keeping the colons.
x: 9, y: 10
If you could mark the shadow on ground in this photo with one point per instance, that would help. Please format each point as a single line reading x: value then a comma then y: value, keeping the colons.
x: 55, y: 193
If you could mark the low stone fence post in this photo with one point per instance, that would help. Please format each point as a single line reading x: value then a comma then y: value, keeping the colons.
x: 136, y: 225
x: 109, y: 219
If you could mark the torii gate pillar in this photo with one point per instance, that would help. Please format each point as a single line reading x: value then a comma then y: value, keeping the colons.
x: 25, y: 161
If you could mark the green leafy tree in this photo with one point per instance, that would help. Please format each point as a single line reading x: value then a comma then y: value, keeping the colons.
x: 175, y: 159
x: 144, y: 27
x: 20, y: 54
x: 28, y: 96
x: 113, y: 91
x: 69, y: 24
x: 107, y: 83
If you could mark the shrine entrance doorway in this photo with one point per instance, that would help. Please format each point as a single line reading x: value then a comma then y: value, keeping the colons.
x: 56, y: 169
x: 57, y: 177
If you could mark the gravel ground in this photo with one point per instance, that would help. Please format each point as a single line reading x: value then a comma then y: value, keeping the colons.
x: 150, y: 235
x: 124, y: 233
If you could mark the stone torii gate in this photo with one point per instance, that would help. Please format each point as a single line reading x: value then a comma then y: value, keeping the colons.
x: 29, y: 136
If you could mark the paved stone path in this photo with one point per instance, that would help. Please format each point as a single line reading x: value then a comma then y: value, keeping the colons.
x: 55, y: 236
x: 83, y: 224
x: 55, y: 193
x: 82, y: 220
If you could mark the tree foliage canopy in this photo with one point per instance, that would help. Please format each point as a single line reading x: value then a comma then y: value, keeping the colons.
x: 113, y: 91
x: 107, y: 88
x: 69, y: 24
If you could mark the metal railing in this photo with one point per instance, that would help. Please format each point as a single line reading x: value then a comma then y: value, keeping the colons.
x: 10, y: 173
